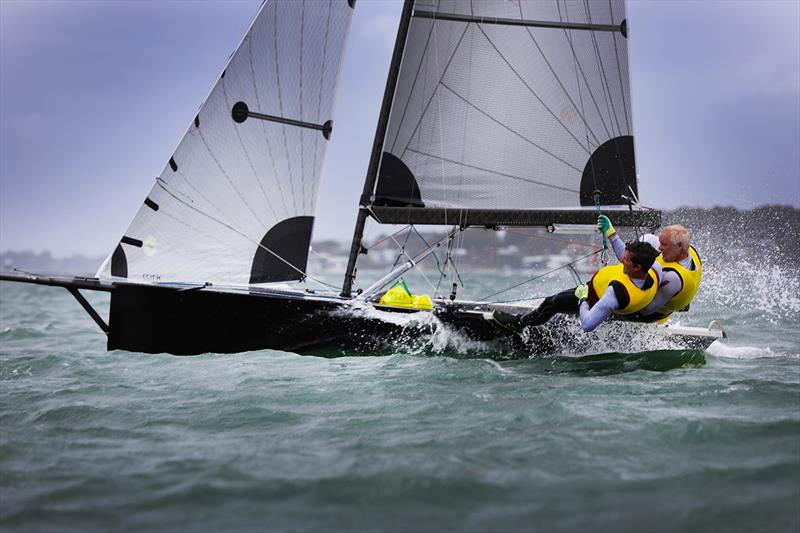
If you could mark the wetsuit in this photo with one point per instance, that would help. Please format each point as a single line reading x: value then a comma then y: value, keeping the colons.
x: 590, y: 315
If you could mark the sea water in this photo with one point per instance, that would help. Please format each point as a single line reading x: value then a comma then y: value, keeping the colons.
x: 424, y: 440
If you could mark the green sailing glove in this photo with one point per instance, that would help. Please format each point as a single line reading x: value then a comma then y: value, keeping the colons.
x: 582, y: 292
x: 605, y: 227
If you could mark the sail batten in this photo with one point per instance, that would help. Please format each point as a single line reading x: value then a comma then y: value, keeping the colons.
x: 421, y: 13
x: 236, y: 201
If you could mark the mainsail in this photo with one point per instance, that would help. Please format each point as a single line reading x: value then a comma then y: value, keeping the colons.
x: 490, y: 114
x: 235, y: 203
x: 504, y: 112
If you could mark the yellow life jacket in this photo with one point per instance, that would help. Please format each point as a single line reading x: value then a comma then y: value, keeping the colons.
x: 630, y: 297
x: 400, y: 296
x: 690, y: 278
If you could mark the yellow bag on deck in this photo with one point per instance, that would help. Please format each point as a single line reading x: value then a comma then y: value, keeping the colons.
x: 400, y: 296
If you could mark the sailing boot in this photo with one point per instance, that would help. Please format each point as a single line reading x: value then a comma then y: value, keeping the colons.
x: 507, y: 321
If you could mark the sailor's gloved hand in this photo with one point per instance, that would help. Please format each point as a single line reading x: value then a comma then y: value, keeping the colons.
x: 604, y: 226
x: 582, y: 292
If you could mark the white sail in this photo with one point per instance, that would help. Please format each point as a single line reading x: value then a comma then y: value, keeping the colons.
x: 512, y: 105
x: 235, y: 203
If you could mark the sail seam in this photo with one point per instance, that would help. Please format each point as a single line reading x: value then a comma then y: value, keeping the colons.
x: 609, y: 95
x: 304, y: 184
x: 510, y: 129
x: 568, y: 37
x: 203, y: 196
x: 413, y: 85
x: 606, y: 87
x: 583, y: 110
x: 235, y: 188
x: 241, y: 233
x: 247, y: 156
x: 196, y: 229
x: 439, y: 128
x: 520, y: 178
x: 319, y: 100
x: 280, y: 106
x: 530, y: 89
x: 619, y: 74
x: 266, y: 135
x: 553, y: 72
x: 460, y: 189
x: 433, y: 94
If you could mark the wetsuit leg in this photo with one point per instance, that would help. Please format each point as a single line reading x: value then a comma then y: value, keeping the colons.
x: 563, y: 302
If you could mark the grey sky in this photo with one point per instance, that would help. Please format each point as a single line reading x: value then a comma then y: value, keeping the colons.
x: 94, y: 97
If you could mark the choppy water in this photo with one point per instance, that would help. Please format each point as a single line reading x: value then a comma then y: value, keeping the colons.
x: 93, y: 440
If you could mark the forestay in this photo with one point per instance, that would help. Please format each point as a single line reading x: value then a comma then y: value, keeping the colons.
x: 510, y: 105
x: 235, y: 203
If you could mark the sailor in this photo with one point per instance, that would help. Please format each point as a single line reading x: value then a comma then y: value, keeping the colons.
x: 681, y: 265
x: 621, y: 289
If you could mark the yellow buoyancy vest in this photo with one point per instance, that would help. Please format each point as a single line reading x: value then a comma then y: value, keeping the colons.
x: 630, y: 297
x: 690, y: 279
x: 400, y: 296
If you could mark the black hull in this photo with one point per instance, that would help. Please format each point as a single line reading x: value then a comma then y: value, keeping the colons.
x: 156, y: 319
x: 189, y: 322
x: 185, y: 319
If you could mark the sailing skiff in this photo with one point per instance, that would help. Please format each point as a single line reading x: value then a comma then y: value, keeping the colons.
x: 496, y: 114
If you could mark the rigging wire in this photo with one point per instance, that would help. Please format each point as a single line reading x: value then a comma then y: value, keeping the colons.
x: 374, y: 244
x: 537, y: 277
x: 534, y: 236
x: 402, y: 247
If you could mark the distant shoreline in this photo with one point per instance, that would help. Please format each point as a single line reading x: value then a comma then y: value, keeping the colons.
x: 775, y: 226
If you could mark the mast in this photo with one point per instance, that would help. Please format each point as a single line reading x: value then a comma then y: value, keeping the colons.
x: 377, y: 146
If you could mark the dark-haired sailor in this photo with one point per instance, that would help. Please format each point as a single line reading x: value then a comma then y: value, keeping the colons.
x: 681, y: 265
x: 621, y: 289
